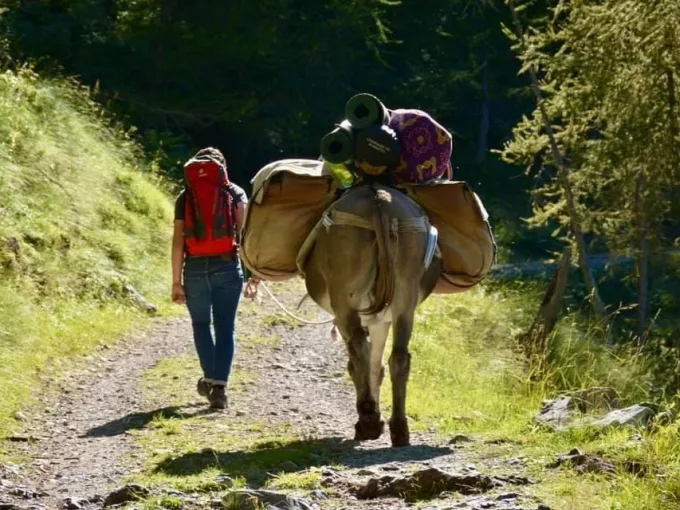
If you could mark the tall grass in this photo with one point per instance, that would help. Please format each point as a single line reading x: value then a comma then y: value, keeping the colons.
x: 467, y: 377
x: 78, y: 220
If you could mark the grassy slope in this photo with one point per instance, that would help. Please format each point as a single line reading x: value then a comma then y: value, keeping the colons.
x: 78, y: 220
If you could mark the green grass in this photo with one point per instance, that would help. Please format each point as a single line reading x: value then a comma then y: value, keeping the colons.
x: 79, y: 219
x: 467, y: 378
x: 306, y: 480
x: 461, y: 350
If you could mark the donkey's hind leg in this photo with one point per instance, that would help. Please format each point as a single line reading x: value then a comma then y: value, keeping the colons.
x: 400, y: 367
x: 369, y: 426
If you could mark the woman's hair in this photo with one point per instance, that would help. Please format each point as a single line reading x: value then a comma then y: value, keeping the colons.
x: 212, y: 152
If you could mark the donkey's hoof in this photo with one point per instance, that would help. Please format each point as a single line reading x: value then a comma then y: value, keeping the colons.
x: 368, y: 429
x: 399, y: 433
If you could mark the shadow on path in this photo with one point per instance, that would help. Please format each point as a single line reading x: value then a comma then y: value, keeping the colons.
x: 267, y: 459
x: 139, y: 420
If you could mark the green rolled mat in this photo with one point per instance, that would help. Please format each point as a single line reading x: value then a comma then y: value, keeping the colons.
x: 364, y: 110
x: 338, y: 145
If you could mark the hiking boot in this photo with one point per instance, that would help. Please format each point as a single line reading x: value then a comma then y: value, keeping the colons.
x: 203, y: 387
x: 218, y: 398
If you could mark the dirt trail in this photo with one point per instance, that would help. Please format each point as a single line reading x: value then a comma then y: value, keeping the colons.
x: 77, y: 444
x: 81, y: 444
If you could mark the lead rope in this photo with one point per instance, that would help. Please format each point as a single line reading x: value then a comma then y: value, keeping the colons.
x: 251, y: 293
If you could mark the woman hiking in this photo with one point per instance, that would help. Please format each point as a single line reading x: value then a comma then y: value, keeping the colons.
x: 206, y: 271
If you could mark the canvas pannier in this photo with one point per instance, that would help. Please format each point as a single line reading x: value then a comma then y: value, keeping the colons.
x: 289, y: 197
x: 466, y: 242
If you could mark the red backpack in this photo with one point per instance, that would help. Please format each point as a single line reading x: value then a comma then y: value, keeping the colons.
x: 209, y: 224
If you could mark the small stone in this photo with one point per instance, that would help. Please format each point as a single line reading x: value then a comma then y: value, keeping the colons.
x: 245, y: 499
x: 430, y: 481
x: 557, y: 413
x: 507, y: 496
x: 226, y: 482
x: 366, y: 472
x: 327, y: 481
x: 240, y: 413
x: 583, y: 463
x: 631, y: 416
x: 74, y: 503
x: 460, y: 438
x: 318, y: 495
x: 25, y: 493
x: 514, y: 479
x: 19, y: 416
x: 126, y: 494
x: 390, y: 467
x: 289, y: 466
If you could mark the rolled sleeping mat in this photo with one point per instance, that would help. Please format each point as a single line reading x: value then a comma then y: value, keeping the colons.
x: 364, y: 110
x: 377, y: 150
x: 338, y: 146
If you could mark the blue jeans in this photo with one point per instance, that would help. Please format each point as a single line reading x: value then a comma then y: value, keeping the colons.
x: 213, y: 284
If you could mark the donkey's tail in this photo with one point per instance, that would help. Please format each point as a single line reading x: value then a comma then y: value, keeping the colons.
x: 385, y: 281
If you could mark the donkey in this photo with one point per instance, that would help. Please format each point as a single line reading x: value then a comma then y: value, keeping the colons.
x: 371, y: 266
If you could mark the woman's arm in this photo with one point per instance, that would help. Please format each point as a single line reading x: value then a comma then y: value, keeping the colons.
x: 177, y: 262
x: 240, y: 217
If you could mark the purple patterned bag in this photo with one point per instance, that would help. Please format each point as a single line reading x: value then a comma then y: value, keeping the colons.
x: 427, y: 147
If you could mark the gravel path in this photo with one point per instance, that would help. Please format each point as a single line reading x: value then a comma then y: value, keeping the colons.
x: 79, y: 444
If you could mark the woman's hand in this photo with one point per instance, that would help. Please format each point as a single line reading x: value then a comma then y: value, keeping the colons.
x: 178, y: 296
x: 250, y: 291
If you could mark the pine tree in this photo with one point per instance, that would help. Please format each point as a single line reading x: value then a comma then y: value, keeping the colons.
x: 610, y: 74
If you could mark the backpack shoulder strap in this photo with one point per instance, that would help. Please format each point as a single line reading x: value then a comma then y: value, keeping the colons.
x: 232, y: 210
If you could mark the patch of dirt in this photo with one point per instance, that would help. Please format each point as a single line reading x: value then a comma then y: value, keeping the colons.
x: 83, y: 446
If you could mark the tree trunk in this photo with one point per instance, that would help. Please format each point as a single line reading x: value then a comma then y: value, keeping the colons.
x: 643, y: 275
x: 535, y: 341
x: 483, y: 141
x: 672, y: 99
x: 563, y: 178
x: 672, y: 102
